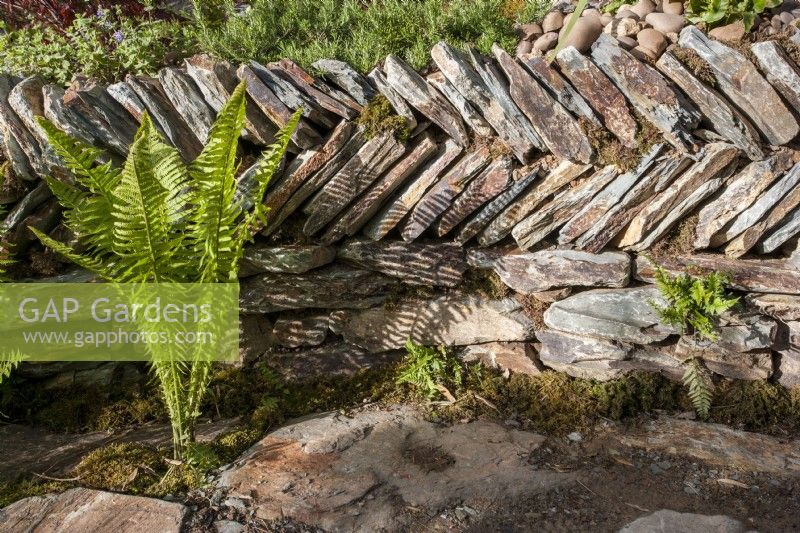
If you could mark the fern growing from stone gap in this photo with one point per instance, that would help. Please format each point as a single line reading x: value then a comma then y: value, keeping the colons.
x: 429, y: 370
x: 157, y: 219
x: 699, y: 386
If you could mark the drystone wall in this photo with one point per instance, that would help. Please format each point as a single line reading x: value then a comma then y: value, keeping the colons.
x: 373, y: 240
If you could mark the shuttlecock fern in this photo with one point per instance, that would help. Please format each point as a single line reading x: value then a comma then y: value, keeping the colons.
x: 693, y: 304
x: 157, y: 219
x: 699, y: 386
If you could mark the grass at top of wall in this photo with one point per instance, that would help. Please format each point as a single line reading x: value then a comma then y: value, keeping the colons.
x: 357, y: 31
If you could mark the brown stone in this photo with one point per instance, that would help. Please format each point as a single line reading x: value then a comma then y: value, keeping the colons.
x: 297, y: 332
x: 563, y: 92
x: 291, y: 259
x: 530, y: 273
x: 400, y: 106
x: 471, y: 116
x: 509, y: 357
x: 315, y: 89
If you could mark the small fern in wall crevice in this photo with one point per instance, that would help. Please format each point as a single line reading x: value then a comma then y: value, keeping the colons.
x: 699, y: 386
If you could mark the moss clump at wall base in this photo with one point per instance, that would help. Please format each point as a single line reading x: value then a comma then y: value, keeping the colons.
x: 379, y: 117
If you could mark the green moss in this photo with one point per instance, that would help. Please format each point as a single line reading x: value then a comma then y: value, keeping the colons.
x: 484, y: 282
x: 11, y: 491
x: 128, y: 467
x: 378, y: 117
x: 756, y: 405
x: 130, y: 412
x: 609, y: 149
x: 696, y: 65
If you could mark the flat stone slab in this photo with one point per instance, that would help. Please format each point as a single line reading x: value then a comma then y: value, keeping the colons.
x: 440, y: 264
x: 717, y: 444
x: 623, y: 315
x: 317, y: 91
x: 780, y: 70
x: 785, y: 307
x: 741, y: 82
x: 647, y: 90
x: 338, y: 359
x: 725, y: 119
x: 291, y: 259
x: 752, y: 275
x: 335, y: 287
x: 566, y: 95
x: 297, y: 332
x: 347, y: 78
x: 534, y: 272
x: 668, y: 521
x: 509, y: 357
x: 471, y: 116
x: 188, y: 100
x: 316, y: 470
x: 449, y: 320
x: 78, y: 510
x: 601, y: 94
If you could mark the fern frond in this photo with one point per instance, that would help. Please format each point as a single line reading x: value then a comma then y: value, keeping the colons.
x: 699, y: 387
x: 8, y: 362
x: 99, y: 265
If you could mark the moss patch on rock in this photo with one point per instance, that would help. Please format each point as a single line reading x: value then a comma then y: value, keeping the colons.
x: 378, y: 117
x: 696, y: 65
x: 609, y: 149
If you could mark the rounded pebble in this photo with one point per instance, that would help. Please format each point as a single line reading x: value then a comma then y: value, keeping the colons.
x: 653, y: 40
x: 666, y: 23
x: 524, y: 47
x: 672, y: 8
x: 627, y: 28
x: 644, y: 8
x: 545, y: 42
x: 584, y: 33
x: 553, y: 21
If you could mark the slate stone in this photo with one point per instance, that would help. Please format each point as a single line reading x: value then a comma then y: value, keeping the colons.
x: 739, y: 80
x: 668, y: 520
x: 600, y: 93
x: 425, y: 99
x: 216, y: 80
x: 560, y: 88
x: 336, y: 359
x: 559, y: 131
x: 67, y: 119
x: 779, y: 69
x: 440, y: 196
x: 752, y: 275
x: 788, y: 228
x: 462, y: 75
x: 363, y: 208
x: 758, y: 209
x: 508, y: 357
x: 531, y: 230
x: 297, y: 332
x: 29, y: 203
x: 723, y: 118
x: 529, y: 273
x: 494, y: 179
x: 22, y: 147
x: 304, y: 135
x: 750, y: 366
x: 599, y: 221
x: 343, y: 75
x: 400, y: 106
x: 290, y: 259
x: 483, y: 217
x: 784, y: 307
x: 738, y: 195
x: 648, y: 92
x: 334, y: 287
x: 314, y: 89
x: 27, y: 101
x: 396, y: 209
x: 568, y: 349
x: 453, y: 320
x: 123, y: 93
x: 623, y: 315
x: 371, y: 161
x: 717, y: 159
x: 314, y: 183
x: 471, y: 116
x: 439, y: 264
x: 502, y: 225
x: 177, y: 131
x: 188, y: 101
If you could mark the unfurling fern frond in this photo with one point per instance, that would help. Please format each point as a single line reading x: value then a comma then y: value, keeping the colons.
x: 699, y: 385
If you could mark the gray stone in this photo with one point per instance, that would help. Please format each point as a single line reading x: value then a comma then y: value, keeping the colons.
x: 187, y: 100
x: 739, y: 194
x: 788, y: 373
x: 255, y: 337
x: 531, y: 230
x: 568, y: 349
x: 367, y: 205
x: 297, y: 332
x: 563, y: 92
x: 23, y: 149
x: 503, y: 118
x: 647, y: 91
x: 354, y: 177
x: 510, y: 357
x: 36, y: 197
x: 495, y: 179
x: 425, y: 98
x: 448, y: 320
x: 788, y: 228
x: 623, y: 315
x: 441, y: 194
x: 471, y: 116
x: 401, y: 107
x: 304, y: 135
x: 27, y: 101
x: 123, y: 93
x: 756, y: 275
x: 502, y: 225
x: 440, y: 264
x: 724, y: 118
x: 343, y: 75
x: 739, y: 80
x: 67, y: 119
x: 335, y: 359
x: 784, y: 307
x: 668, y: 521
x: 315, y: 90
x: 718, y: 159
x: 396, y: 209
x: 534, y: 272
x: 292, y: 259
x: 780, y: 70
x: 559, y: 131
x: 478, y: 222
x: 92, y: 510
x: 334, y: 287
x: 216, y: 80
x: 601, y: 94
